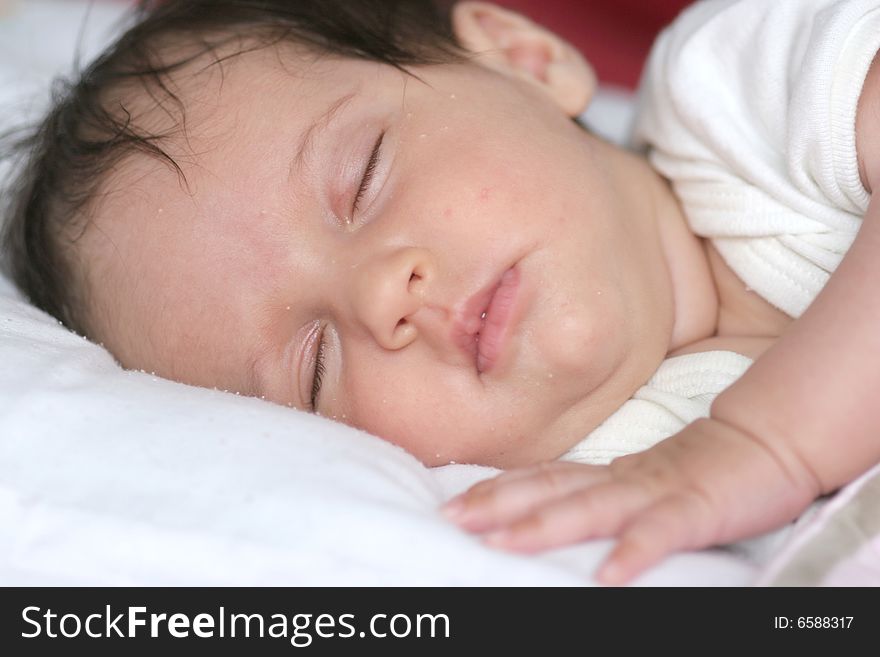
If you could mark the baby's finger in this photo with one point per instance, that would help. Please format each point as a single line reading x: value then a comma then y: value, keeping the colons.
x: 511, y: 496
x: 676, y: 523
x: 595, y: 512
x: 545, y: 468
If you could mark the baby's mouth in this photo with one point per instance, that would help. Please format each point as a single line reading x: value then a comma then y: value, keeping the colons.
x: 496, y: 321
x: 482, y: 328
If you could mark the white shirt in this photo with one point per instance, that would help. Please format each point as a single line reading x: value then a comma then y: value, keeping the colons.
x: 749, y: 108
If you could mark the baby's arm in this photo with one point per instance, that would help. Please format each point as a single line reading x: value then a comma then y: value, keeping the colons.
x: 801, y: 422
x: 812, y: 399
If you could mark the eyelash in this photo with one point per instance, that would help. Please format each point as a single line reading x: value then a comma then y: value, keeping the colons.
x: 318, y: 376
x: 369, y: 171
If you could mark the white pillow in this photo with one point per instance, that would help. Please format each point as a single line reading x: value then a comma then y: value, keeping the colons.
x: 109, y: 477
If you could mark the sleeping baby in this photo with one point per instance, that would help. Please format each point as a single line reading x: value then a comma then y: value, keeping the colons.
x: 383, y: 213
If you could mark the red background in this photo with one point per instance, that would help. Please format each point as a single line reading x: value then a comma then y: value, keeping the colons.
x: 615, y: 35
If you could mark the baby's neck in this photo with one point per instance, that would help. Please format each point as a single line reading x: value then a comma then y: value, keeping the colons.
x: 695, y: 296
x: 711, y: 301
x: 742, y: 312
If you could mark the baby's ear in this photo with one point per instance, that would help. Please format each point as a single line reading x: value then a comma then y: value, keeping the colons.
x: 511, y: 43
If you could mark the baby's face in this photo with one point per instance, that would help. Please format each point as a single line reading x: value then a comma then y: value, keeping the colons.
x: 455, y: 252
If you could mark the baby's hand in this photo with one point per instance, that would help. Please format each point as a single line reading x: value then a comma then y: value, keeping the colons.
x: 709, y: 484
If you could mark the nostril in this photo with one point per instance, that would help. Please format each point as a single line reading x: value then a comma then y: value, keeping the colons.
x: 415, y: 281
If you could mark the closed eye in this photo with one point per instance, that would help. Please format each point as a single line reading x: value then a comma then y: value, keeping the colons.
x: 318, y: 375
x: 369, y: 172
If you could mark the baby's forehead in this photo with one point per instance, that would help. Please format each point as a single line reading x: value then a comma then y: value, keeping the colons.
x: 191, y: 79
x: 182, y: 80
x: 178, y: 119
x: 207, y: 117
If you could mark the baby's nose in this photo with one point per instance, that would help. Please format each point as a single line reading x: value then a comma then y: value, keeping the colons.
x: 388, y: 290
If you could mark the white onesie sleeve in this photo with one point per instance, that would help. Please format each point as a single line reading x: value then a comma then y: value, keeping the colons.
x: 749, y: 108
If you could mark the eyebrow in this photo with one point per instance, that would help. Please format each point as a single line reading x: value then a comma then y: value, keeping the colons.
x: 306, y: 146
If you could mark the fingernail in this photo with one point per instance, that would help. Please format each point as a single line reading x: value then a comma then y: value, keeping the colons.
x: 609, y: 574
x: 453, y: 509
x: 498, y: 537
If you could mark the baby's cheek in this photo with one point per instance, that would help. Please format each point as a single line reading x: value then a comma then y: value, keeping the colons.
x: 580, y: 343
x: 436, y: 423
x: 406, y: 412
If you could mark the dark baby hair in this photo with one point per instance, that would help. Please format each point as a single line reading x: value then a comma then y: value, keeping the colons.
x: 64, y: 161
